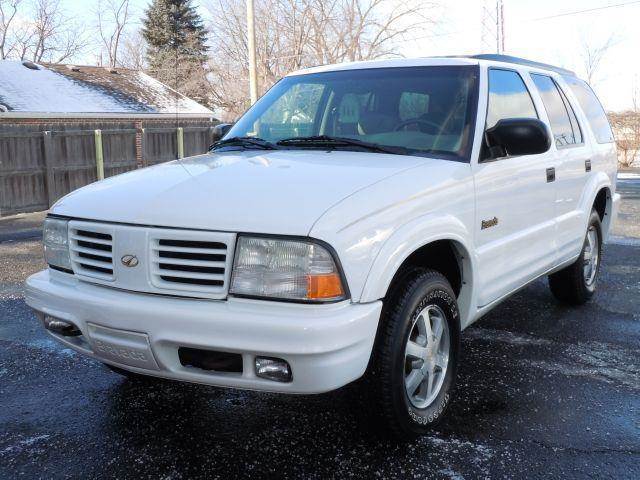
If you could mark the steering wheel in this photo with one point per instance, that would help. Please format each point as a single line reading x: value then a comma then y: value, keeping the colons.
x: 432, y: 125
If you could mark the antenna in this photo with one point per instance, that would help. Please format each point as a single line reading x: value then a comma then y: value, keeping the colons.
x: 174, y: 40
x: 500, y: 26
x: 492, y: 27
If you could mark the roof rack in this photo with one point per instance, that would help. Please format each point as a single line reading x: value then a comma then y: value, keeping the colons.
x: 517, y: 60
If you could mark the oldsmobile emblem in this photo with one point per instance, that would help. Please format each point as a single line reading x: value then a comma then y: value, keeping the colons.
x: 129, y: 260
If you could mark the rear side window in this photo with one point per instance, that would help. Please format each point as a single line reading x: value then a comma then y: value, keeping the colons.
x: 592, y: 109
x: 577, y: 131
x: 557, y: 111
x: 508, y: 97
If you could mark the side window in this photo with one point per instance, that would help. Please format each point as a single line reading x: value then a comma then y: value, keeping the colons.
x: 592, y: 109
x: 413, y: 105
x: 508, y: 97
x: 577, y: 131
x: 556, y: 110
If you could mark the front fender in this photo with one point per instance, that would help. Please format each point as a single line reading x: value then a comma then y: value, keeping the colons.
x: 409, y: 238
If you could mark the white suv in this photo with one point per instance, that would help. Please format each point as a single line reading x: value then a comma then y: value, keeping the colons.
x: 352, y: 223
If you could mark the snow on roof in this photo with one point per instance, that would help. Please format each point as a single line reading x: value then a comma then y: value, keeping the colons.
x: 53, y: 88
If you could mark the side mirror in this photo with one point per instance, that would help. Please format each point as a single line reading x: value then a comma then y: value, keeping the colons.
x: 220, y: 131
x: 518, y: 136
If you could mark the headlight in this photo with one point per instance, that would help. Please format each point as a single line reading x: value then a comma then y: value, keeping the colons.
x: 56, y: 243
x: 286, y: 270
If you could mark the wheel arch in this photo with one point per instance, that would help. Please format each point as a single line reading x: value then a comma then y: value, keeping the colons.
x: 600, y: 198
x: 445, y: 249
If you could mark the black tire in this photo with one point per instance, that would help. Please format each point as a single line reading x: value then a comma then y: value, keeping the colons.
x: 386, y: 377
x: 569, y: 285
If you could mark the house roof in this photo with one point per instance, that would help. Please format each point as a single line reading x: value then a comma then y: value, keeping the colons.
x: 67, y: 89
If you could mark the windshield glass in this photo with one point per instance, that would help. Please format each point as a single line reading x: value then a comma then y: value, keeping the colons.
x: 428, y: 111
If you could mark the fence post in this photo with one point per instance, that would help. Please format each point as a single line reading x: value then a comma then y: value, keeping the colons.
x: 99, y: 155
x: 180, y: 142
x: 143, y: 159
x: 49, y: 160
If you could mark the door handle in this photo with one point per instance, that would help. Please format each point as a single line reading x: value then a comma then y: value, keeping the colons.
x: 551, y: 174
x: 587, y: 165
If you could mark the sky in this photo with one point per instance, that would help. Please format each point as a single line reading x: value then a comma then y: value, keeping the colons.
x: 529, y: 33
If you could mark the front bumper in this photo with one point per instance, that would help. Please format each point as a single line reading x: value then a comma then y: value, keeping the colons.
x: 327, y: 346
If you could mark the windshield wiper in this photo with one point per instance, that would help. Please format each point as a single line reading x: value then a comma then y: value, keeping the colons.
x: 326, y: 141
x: 244, y: 142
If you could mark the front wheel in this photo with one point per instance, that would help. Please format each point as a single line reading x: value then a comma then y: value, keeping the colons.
x: 576, y: 283
x: 414, y: 364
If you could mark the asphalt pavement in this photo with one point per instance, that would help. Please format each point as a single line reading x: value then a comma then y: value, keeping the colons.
x: 544, y: 391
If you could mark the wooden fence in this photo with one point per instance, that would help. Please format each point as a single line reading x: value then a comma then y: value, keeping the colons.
x: 41, y: 163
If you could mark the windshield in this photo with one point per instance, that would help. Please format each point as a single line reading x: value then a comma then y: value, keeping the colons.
x: 425, y: 110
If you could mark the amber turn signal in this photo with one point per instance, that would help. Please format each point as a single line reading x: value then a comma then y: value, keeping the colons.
x: 323, y: 287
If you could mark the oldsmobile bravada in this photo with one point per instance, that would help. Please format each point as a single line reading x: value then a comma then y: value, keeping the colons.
x: 352, y: 223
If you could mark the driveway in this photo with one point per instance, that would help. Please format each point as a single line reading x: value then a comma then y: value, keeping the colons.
x: 544, y: 391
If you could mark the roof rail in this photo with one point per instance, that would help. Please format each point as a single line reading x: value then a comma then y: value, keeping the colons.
x: 517, y: 60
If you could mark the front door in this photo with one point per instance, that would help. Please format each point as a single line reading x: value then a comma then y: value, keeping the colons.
x: 515, y: 200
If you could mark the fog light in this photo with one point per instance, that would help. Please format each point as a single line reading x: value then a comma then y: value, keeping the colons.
x: 61, y: 327
x: 274, y: 369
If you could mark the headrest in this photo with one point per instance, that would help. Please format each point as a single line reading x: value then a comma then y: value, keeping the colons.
x: 372, y: 122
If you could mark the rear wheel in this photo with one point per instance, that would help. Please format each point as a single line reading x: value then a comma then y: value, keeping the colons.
x: 414, y: 365
x: 577, y: 283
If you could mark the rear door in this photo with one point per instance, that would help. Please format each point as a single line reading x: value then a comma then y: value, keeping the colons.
x: 515, y: 197
x: 573, y: 156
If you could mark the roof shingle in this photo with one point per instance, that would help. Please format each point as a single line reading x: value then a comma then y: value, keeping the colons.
x: 54, y: 88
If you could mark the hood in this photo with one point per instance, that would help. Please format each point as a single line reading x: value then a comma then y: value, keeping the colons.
x: 280, y: 192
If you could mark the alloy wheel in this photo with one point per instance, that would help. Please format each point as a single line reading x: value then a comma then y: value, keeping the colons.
x: 426, y: 356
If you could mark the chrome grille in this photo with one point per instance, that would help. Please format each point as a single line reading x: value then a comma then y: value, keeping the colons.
x: 170, y: 261
x: 187, y: 263
x: 91, y: 252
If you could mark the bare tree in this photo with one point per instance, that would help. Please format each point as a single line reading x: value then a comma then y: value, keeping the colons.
x: 134, y: 51
x: 8, y: 12
x: 113, y: 17
x: 53, y: 37
x: 626, y: 126
x: 592, y: 55
x: 293, y: 34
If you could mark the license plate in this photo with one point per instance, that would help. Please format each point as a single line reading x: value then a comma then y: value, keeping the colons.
x: 122, y: 346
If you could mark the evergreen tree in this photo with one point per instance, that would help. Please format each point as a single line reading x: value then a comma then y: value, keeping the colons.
x: 177, y: 50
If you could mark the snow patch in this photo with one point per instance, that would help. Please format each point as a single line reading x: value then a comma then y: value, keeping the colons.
x: 601, y: 361
x: 628, y: 176
x: 23, y: 89
x: 615, y: 240
x: 480, y: 454
x: 27, y: 442
x: 451, y: 474
x: 504, y: 336
x: 51, y: 346
x: 51, y: 89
